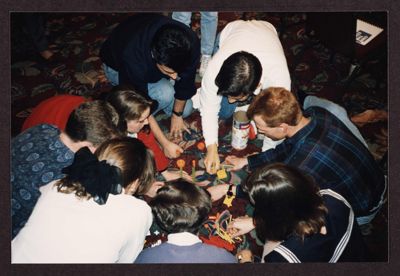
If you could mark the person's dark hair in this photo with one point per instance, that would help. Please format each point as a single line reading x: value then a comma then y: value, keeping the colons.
x: 132, y: 158
x: 171, y: 46
x: 286, y: 202
x: 239, y: 75
x: 181, y: 206
x: 94, y: 121
x: 129, y: 105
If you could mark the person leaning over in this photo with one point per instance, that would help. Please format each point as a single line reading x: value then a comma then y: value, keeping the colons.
x: 319, y: 144
x: 39, y: 153
x: 90, y: 215
x: 158, y: 56
x: 250, y: 58
x: 180, y: 208
x: 297, y: 221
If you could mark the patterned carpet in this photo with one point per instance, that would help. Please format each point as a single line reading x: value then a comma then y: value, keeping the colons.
x: 315, y: 70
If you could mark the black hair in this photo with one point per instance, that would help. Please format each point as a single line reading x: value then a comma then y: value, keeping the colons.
x: 171, y: 46
x: 239, y: 75
x: 181, y: 206
x: 286, y: 202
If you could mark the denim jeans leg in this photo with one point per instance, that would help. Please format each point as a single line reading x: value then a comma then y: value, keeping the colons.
x: 183, y: 17
x: 163, y: 92
x: 227, y: 109
x: 209, y: 23
x: 111, y: 75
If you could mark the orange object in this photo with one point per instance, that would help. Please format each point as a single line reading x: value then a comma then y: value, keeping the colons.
x: 217, y: 241
x: 193, y: 163
x: 201, y: 146
x: 180, y: 163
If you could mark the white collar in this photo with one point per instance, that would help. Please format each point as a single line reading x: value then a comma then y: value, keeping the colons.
x: 183, y: 239
x: 132, y: 135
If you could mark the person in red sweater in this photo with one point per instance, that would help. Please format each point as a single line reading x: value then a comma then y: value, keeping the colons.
x: 134, y: 113
x: 53, y: 111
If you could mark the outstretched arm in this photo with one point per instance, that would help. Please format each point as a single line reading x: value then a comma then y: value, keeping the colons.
x: 170, y: 149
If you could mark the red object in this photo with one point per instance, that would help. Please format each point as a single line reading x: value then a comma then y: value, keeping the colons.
x: 53, y: 111
x: 159, y: 157
x: 56, y: 110
x: 252, y: 133
x: 217, y: 241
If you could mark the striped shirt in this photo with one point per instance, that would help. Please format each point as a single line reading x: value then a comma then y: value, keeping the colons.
x: 327, y: 151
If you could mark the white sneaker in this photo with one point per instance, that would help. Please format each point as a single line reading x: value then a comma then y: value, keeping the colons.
x: 203, y: 64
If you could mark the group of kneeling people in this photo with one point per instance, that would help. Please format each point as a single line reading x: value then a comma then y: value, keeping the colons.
x: 93, y: 214
x: 77, y: 178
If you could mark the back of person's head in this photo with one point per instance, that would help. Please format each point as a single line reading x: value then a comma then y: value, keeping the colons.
x: 171, y: 46
x: 129, y: 104
x: 239, y: 75
x: 116, y: 164
x: 181, y: 206
x: 275, y: 106
x: 286, y: 202
x: 94, y: 122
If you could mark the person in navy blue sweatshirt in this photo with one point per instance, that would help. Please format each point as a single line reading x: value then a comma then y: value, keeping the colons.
x: 158, y: 56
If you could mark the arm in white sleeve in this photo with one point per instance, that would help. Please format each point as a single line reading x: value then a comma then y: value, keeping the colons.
x: 210, y: 104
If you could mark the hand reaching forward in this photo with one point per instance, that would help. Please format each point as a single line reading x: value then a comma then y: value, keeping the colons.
x: 240, y: 226
x: 178, y: 126
x: 211, y: 161
x: 172, y: 150
x: 237, y: 162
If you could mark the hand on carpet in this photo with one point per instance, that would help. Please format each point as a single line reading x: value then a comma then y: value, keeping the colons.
x: 245, y: 256
x: 211, y: 161
x: 237, y: 162
x: 172, y: 150
x: 170, y: 175
x: 178, y: 126
x: 218, y: 191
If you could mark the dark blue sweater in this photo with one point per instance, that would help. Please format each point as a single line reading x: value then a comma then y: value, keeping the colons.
x: 127, y: 50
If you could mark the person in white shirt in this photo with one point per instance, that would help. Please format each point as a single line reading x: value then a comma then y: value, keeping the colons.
x: 250, y: 58
x: 90, y: 216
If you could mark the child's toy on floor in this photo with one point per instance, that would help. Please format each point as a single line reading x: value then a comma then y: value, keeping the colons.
x: 194, y: 170
x: 180, y: 163
x: 217, y: 228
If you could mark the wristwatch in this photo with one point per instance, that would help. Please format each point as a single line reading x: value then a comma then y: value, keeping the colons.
x: 179, y: 114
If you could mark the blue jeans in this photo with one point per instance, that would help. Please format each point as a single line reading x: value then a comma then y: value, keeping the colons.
x: 208, y: 22
x: 162, y: 91
x: 336, y: 110
x: 227, y: 109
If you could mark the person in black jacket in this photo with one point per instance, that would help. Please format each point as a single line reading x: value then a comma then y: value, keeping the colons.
x: 158, y: 56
